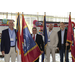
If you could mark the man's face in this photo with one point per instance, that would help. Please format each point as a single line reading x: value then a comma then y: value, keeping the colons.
x: 11, y: 24
x: 34, y: 31
x: 62, y: 26
x: 50, y: 27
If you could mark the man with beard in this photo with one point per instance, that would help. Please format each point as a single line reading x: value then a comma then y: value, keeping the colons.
x: 52, y: 43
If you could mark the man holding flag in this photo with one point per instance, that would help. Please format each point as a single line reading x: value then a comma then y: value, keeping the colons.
x: 38, y: 39
x: 63, y: 46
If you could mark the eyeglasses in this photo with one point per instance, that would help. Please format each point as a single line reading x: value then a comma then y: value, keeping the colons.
x: 34, y: 30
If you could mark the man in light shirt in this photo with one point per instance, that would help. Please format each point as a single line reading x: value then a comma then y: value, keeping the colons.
x: 8, y: 43
x: 62, y: 36
x: 52, y: 43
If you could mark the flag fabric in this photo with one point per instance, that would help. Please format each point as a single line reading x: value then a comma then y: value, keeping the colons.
x: 22, y: 43
x: 18, y: 43
x: 73, y: 51
x: 70, y: 38
x: 30, y: 48
x: 45, y: 36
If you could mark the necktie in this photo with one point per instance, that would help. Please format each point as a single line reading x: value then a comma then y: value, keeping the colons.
x: 34, y: 37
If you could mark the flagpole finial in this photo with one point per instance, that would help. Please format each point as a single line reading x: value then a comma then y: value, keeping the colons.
x: 69, y: 13
x: 22, y: 14
x: 44, y: 13
x: 18, y: 13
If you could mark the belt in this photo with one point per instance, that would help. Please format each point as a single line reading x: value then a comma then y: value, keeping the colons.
x: 12, y: 46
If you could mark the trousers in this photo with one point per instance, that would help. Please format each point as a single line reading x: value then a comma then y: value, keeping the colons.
x: 11, y: 54
x: 48, y: 51
x: 62, y: 54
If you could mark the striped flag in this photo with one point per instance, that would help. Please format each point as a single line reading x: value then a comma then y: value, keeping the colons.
x: 18, y: 44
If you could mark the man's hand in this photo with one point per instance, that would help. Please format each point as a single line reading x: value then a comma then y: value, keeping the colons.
x: 57, y: 48
x: 67, y: 44
x: 3, y: 53
x: 42, y: 52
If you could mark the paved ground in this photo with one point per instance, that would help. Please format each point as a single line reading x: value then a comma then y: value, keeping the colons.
x: 57, y: 58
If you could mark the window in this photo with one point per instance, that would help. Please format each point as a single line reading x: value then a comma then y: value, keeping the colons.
x: 27, y: 19
x: 57, y: 14
x: 41, y: 18
x: 30, y: 13
x: 40, y: 13
x: 73, y: 14
x: 32, y: 19
x: 1, y: 16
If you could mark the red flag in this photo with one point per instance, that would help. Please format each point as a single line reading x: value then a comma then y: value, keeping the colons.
x: 70, y: 38
x: 30, y: 50
x: 73, y: 52
x: 22, y: 53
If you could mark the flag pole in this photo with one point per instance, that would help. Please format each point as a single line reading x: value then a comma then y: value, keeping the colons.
x: 44, y: 40
x: 22, y: 12
x: 44, y: 13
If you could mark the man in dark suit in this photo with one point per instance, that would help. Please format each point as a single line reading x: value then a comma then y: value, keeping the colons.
x: 62, y: 44
x: 38, y: 39
x: 8, y: 43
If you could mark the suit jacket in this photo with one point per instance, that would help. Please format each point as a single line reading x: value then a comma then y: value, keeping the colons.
x: 65, y: 37
x: 53, y: 40
x: 5, y: 41
x: 39, y: 41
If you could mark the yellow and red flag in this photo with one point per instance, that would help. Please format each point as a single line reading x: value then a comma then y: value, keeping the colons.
x: 18, y: 44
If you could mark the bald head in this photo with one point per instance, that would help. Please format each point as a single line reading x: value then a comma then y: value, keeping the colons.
x: 50, y: 27
x: 11, y: 24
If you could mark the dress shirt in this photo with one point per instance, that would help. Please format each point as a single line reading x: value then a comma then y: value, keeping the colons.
x: 62, y: 36
x: 12, y: 36
x: 33, y: 36
x: 49, y: 33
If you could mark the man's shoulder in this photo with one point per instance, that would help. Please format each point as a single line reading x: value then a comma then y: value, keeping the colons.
x: 38, y: 35
x: 4, y: 30
x: 59, y: 31
x: 54, y: 32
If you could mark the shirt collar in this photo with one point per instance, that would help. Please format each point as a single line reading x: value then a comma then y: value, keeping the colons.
x: 33, y: 35
x: 63, y: 30
x: 11, y: 30
x: 50, y: 31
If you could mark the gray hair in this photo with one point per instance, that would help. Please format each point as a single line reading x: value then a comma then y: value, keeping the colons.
x: 34, y: 28
x: 9, y: 21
